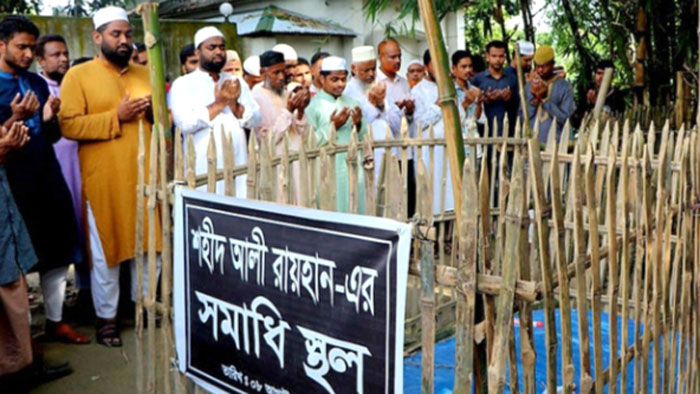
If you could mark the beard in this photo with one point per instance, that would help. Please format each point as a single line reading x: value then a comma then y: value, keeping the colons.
x: 10, y: 60
x: 56, y: 76
x: 117, y: 55
x: 212, y: 65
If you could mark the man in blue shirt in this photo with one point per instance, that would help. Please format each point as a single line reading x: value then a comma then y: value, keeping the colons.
x: 499, y: 88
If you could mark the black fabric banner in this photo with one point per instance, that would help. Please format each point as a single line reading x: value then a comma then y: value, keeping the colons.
x: 276, y: 299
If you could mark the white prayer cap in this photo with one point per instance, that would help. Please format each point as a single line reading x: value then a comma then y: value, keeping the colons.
x: 251, y: 65
x: 288, y: 52
x: 526, y: 48
x: 363, y: 54
x: 334, y: 63
x: 232, y: 55
x: 413, y: 62
x: 206, y: 33
x: 109, y: 14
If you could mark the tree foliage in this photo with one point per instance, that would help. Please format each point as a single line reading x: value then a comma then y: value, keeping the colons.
x: 648, y: 40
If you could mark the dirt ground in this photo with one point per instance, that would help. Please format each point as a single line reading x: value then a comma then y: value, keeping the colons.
x: 96, y: 368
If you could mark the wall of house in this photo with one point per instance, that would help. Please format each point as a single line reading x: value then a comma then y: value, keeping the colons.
x: 349, y: 14
x: 176, y: 34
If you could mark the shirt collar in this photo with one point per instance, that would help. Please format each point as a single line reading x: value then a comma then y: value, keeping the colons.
x: 325, y: 96
x: 49, y: 81
x: 383, y: 77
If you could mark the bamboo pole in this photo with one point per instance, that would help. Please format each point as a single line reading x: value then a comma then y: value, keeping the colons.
x: 368, y: 167
x: 252, y: 175
x: 544, y: 259
x: 646, y: 211
x: 466, y: 292
x: 178, y: 154
x: 191, y: 160
x: 138, y: 257
x: 585, y: 382
x: 283, y: 178
x: 227, y: 152
x: 504, y: 319
x: 151, y: 300
x: 602, y: 92
x: 304, y: 192
x: 166, y: 332
x: 624, y: 261
x: 612, y: 269
x: 353, y: 180
x: 211, y: 164
x: 427, y: 300
x: 154, y: 49
x: 447, y: 99
x: 567, y: 363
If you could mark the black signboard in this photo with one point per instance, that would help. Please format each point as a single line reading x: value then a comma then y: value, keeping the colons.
x: 277, y: 299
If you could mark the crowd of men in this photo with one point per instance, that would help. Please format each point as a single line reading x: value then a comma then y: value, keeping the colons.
x: 68, y: 144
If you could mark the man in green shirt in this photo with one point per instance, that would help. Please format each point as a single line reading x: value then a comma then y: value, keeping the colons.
x: 331, y: 107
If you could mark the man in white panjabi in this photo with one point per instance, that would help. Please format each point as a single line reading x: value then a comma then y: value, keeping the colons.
x: 281, y: 113
x: 377, y: 111
x: 206, y: 101
x: 428, y: 112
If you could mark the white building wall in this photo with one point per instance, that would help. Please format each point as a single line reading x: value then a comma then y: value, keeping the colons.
x: 349, y: 14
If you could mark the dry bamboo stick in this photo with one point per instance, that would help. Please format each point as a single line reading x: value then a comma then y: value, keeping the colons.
x: 138, y: 257
x: 427, y: 300
x: 486, y: 284
x: 327, y: 201
x: 567, y: 366
x: 226, y: 151
x: 541, y: 210
x: 368, y: 169
x: 596, y: 289
x: 191, y: 160
x: 637, y: 284
x: 166, y: 332
x: 314, y: 168
x: 179, y: 162
x: 283, y: 179
x: 404, y: 167
x: 211, y: 164
x: 503, y: 191
x: 485, y: 262
x: 353, y: 182
x: 267, y: 172
x: 466, y: 292
x: 332, y: 185
x: 611, y: 212
x: 585, y: 383
x: 150, y: 301
x: 646, y: 211
x: 658, y: 264
x: 504, y: 319
x: 251, y: 181
x: 624, y: 261
x: 394, y: 182
x: 303, y: 181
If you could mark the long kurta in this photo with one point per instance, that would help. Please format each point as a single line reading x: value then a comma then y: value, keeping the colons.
x: 373, y: 116
x: 189, y: 97
x: 318, y: 114
x: 427, y: 113
x: 276, y: 119
x: 558, y: 106
x: 36, y: 180
x: 90, y: 95
x: 67, y: 155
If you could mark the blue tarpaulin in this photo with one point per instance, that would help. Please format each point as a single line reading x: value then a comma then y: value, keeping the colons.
x: 445, y: 355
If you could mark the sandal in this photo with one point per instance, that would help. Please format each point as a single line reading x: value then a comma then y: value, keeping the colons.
x: 63, y: 332
x: 107, y: 333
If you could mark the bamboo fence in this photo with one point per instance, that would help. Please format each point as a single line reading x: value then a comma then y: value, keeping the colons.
x: 605, y: 223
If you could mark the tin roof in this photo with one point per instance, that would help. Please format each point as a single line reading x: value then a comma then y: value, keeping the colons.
x: 275, y: 20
